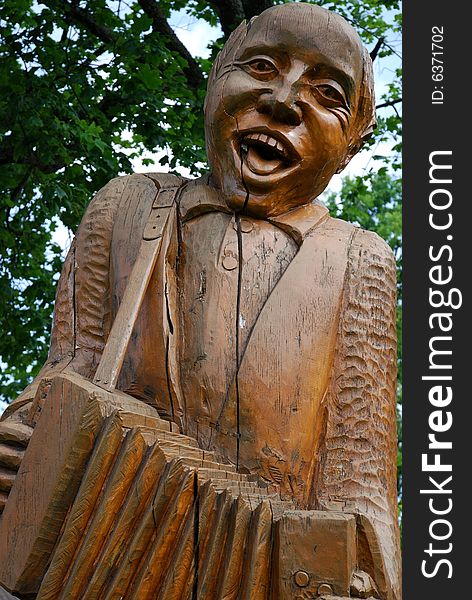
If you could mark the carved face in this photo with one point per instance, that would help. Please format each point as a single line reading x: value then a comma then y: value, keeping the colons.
x: 280, y: 111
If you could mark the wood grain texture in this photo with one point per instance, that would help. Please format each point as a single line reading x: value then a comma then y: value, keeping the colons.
x: 7, y: 477
x: 329, y: 558
x: 124, y: 469
x: 206, y: 532
x: 15, y: 434
x: 147, y: 379
x: 78, y: 518
x: 10, y: 456
x: 91, y: 291
x: 208, y: 584
x: 256, y: 342
x: 116, y: 499
x: 18, y: 433
x: 132, y: 511
x: 71, y: 420
x: 30, y: 534
x: 113, y: 355
x: 358, y: 471
x: 256, y: 578
x: 230, y: 576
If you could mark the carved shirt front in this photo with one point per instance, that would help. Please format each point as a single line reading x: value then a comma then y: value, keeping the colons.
x: 227, y: 269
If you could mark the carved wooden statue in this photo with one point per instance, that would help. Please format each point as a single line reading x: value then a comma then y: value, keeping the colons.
x: 216, y: 418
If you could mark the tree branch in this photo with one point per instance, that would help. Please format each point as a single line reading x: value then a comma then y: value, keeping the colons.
x: 255, y: 7
x: 229, y: 12
x: 160, y: 25
x: 20, y: 187
x: 389, y: 103
x: 7, y: 158
x: 74, y: 13
x: 375, y: 51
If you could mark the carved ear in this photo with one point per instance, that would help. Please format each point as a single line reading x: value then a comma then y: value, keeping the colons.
x: 352, y: 150
x: 365, y: 121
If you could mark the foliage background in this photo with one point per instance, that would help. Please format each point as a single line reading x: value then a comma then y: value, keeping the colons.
x: 89, y: 86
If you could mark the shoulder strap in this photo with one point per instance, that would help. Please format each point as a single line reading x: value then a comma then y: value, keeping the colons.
x: 114, y: 352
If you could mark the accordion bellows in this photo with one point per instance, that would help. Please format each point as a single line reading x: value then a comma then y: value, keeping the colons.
x: 130, y: 508
x: 151, y: 514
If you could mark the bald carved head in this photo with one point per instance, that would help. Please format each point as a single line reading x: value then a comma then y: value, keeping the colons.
x: 290, y: 101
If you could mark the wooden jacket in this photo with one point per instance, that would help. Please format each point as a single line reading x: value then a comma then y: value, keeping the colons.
x: 324, y: 342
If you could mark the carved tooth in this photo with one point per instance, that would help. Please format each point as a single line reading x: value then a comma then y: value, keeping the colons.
x: 280, y: 147
x: 265, y: 139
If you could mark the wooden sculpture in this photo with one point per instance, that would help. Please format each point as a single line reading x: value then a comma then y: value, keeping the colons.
x: 216, y: 418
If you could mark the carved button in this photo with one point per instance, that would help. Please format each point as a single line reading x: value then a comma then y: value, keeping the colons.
x: 230, y: 263
x: 302, y: 579
x: 325, y: 589
x: 245, y: 225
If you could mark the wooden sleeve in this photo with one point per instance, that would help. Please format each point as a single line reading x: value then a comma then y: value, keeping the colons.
x: 357, y: 465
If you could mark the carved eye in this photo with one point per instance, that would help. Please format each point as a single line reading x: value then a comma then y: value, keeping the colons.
x: 261, y: 68
x: 328, y: 95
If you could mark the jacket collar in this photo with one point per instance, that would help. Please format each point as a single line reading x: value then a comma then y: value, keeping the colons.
x: 199, y: 198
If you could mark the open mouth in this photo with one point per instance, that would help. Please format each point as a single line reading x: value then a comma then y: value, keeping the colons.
x: 265, y: 154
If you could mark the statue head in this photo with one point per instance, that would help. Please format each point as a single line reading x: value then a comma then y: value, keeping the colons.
x: 290, y: 101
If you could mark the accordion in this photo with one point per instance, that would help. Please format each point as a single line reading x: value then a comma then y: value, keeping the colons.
x: 113, y: 502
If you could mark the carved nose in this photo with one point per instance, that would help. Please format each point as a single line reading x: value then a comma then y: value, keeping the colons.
x: 281, y: 105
